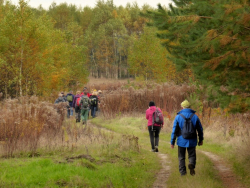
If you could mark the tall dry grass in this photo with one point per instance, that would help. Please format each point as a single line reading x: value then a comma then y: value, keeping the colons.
x: 23, y: 121
x: 28, y: 125
x: 129, y: 100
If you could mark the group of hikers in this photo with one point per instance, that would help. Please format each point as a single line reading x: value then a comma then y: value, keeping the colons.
x: 82, y: 103
x: 186, y: 126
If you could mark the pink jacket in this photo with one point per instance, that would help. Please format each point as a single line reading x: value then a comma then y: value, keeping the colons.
x: 149, y: 115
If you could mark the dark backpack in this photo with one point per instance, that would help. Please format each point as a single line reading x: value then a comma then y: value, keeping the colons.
x: 70, y: 98
x: 188, y: 131
x: 84, y: 102
x: 157, y: 117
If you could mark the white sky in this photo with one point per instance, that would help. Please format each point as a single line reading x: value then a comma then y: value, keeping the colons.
x: 91, y: 3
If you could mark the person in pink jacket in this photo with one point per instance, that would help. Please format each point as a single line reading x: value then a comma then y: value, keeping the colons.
x: 153, y: 133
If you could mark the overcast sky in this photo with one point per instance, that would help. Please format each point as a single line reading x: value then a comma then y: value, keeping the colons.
x: 91, y: 3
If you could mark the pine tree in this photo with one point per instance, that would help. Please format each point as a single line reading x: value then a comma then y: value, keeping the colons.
x: 211, y: 38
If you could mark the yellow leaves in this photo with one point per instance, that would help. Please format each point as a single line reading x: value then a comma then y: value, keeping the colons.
x: 114, y: 14
x: 54, y: 80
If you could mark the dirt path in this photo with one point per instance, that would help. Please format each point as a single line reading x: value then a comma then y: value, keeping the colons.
x: 163, y: 174
x: 226, y: 174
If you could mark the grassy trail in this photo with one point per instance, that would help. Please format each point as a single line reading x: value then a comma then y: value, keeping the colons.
x: 208, y: 173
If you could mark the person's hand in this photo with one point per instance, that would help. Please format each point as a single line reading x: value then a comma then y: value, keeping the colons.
x: 172, y: 146
x: 200, y: 143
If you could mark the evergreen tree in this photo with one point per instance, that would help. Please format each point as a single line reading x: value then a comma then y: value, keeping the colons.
x: 211, y: 38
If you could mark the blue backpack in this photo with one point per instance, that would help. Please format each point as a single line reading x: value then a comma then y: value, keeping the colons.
x: 188, y: 131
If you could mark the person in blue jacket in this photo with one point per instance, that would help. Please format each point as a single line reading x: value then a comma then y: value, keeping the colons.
x: 186, y: 144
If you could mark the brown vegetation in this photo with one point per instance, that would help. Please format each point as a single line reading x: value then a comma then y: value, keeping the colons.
x: 29, y: 126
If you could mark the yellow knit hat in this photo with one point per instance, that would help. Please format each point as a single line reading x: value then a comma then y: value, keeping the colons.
x: 185, y: 104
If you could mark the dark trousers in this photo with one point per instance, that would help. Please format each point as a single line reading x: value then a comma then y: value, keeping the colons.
x: 182, y: 157
x: 78, y: 113
x: 93, y: 111
x: 154, y: 135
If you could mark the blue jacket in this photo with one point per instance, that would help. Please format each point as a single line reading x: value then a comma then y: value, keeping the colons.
x: 178, y: 125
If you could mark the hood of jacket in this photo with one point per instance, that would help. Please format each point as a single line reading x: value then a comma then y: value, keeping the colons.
x: 186, y: 110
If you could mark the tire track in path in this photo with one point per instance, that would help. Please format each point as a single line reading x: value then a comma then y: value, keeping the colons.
x: 163, y: 174
x: 226, y: 174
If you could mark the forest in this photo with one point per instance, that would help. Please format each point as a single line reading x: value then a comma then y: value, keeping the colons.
x: 49, y: 50
x: 195, y: 50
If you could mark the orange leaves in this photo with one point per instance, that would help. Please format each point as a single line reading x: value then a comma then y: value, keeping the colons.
x: 225, y: 39
x: 212, y: 33
x: 211, y: 51
x: 245, y: 20
x: 214, y: 63
x: 232, y: 7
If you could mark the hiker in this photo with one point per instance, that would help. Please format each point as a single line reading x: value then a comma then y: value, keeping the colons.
x: 153, y: 127
x: 70, y: 99
x: 99, y: 95
x: 76, y: 106
x: 64, y: 96
x: 187, y: 140
x: 85, y: 103
x: 93, y: 104
x: 85, y: 89
x: 60, y: 99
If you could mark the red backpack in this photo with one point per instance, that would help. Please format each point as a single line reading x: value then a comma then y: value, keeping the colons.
x: 78, y: 101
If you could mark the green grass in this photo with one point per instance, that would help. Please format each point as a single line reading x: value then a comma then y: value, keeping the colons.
x: 136, y: 170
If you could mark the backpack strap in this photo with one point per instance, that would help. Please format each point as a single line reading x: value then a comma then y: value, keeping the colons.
x: 191, y: 116
x: 153, y: 119
x: 183, y: 116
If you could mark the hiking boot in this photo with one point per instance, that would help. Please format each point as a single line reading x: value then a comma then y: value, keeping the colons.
x: 156, y: 149
x: 83, y: 122
x: 191, y: 168
x: 153, y: 150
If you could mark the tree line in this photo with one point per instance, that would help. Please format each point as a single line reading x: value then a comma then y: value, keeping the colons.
x: 44, y: 50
